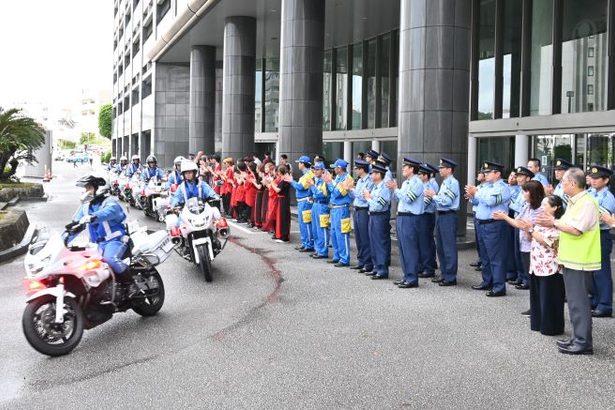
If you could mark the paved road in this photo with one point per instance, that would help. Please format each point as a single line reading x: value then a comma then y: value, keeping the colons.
x: 278, y: 330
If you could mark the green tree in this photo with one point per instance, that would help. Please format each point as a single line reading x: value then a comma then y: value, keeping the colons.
x: 87, y: 138
x: 19, y: 137
x: 105, y: 120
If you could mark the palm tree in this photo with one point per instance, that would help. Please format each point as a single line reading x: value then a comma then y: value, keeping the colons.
x: 19, y: 137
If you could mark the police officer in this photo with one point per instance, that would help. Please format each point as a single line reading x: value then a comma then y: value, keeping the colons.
x: 112, y: 166
x: 602, y: 294
x: 494, y: 196
x: 340, y: 212
x: 320, y: 212
x: 123, y: 165
x: 385, y: 159
x: 105, y: 218
x: 135, y: 166
x: 427, y: 223
x: 304, y: 203
x: 176, y: 178
x: 371, y: 156
x: 534, y: 166
x: 519, y: 277
x: 191, y: 187
x: 561, y: 166
x: 361, y: 216
x: 152, y: 170
x: 447, y: 203
x: 410, y: 207
x: 379, y: 202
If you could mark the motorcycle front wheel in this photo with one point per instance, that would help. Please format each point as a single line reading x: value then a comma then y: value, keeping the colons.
x: 204, y: 262
x: 46, y: 336
x: 150, y: 305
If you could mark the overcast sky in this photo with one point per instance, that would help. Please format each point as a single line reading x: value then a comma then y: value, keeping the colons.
x: 51, y: 49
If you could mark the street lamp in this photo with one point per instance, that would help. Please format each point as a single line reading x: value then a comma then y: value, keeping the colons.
x: 569, y: 94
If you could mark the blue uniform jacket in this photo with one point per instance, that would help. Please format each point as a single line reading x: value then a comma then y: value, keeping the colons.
x: 175, y: 177
x: 149, y: 173
x: 132, y: 169
x: 187, y: 190
x: 410, y: 196
x: 302, y: 189
x: 448, y: 196
x: 380, y: 200
x: 490, y: 198
x: 357, y: 193
x: 109, y: 222
x: 606, y: 202
x: 338, y: 194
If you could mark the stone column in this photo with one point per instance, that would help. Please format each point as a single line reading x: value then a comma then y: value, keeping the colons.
x: 201, y: 121
x: 522, y: 150
x: 472, y: 141
x: 434, y: 79
x: 301, y: 71
x: 348, y: 152
x: 239, y: 72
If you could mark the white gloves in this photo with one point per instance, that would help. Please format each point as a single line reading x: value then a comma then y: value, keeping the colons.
x: 85, y: 220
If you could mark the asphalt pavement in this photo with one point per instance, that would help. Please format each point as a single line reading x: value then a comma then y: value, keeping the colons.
x: 277, y: 329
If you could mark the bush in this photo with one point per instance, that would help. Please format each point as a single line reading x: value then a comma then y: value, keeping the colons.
x: 105, y: 157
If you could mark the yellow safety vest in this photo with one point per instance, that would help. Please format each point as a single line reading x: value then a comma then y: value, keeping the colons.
x: 580, y: 252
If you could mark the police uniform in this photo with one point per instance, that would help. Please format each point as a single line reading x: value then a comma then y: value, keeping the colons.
x: 340, y: 215
x: 361, y: 219
x: 492, y: 233
x: 602, y: 294
x: 133, y: 168
x: 386, y: 160
x: 513, y: 270
x: 447, y: 205
x: 519, y: 276
x: 304, y: 205
x: 379, y: 226
x: 320, y: 215
x: 541, y: 178
x: 427, y: 223
x: 561, y: 165
x: 149, y: 173
x: 175, y: 178
x: 410, y: 207
x: 187, y: 190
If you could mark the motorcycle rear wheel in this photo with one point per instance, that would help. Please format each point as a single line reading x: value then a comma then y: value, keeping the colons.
x: 204, y: 262
x: 150, y: 305
x: 43, y: 334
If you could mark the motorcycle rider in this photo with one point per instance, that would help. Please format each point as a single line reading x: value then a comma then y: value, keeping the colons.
x: 191, y: 187
x: 134, y: 167
x: 123, y: 166
x: 112, y: 164
x: 152, y: 170
x: 176, y: 176
x: 104, y: 216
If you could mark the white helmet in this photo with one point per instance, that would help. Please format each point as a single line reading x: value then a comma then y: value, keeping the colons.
x: 188, y: 166
x: 178, y: 160
x: 135, y: 157
x: 113, y: 159
x: 123, y: 158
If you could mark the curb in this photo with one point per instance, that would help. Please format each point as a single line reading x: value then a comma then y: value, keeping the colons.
x: 21, y: 247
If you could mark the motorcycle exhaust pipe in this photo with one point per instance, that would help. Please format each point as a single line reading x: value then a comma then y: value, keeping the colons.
x: 224, y: 232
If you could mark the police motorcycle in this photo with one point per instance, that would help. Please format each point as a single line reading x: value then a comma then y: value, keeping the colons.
x: 197, y: 232
x: 70, y: 288
x: 126, y: 189
x: 154, y: 198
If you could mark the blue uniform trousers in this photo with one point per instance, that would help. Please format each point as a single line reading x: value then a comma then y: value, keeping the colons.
x: 476, y: 238
x: 361, y: 236
x: 427, y: 244
x: 320, y: 234
x: 340, y: 241
x: 112, y: 252
x: 602, y: 295
x: 493, y: 241
x: 522, y: 275
x: 446, y: 234
x: 380, y: 242
x: 307, y: 238
x: 407, y: 239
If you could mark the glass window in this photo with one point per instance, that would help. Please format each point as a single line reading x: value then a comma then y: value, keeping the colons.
x: 332, y: 151
x: 360, y: 146
x: 600, y: 149
x: 341, y: 89
x: 584, y: 27
x: 258, y: 96
x: 549, y: 147
x: 161, y: 9
x: 390, y: 147
x: 590, y: 89
x: 385, y: 55
x: 357, y: 85
x: 371, y: 84
x: 326, y: 91
x: 542, y: 58
x: 590, y: 52
x: 394, y: 80
x: 498, y: 149
x: 511, y: 59
x: 146, y: 87
x: 486, y: 59
x: 272, y: 94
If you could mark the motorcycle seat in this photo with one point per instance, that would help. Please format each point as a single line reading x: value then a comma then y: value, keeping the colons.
x: 149, y: 242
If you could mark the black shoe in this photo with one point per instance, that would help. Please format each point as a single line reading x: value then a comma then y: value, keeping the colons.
x: 526, y: 313
x: 478, y: 269
x: 437, y: 279
x: 475, y: 264
x: 398, y: 282
x: 513, y: 282
x: 600, y: 313
x: 377, y: 277
x: 564, y: 342
x: 493, y: 294
x: 341, y: 265
x: 407, y: 285
x: 370, y: 273
x: 315, y: 256
x: 447, y: 283
x: 425, y: 275
x: 359, y: 267
x: 522, y: 286
x: 575, y: 349
x: 306, y: 250
x: 333, y: 261
x: 299, y: 248
x: 481, y: 287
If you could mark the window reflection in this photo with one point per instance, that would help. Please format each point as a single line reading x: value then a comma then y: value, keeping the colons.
x: 371, y: 84
x: 542, y: 58
x: 258, y: 93
x: 272, y: 94
x: 326, y: 91
x: 486, y: 60
x: 385, y: 55
x: 511, y: 59
x: 357, y: 85
x: 341, y: 89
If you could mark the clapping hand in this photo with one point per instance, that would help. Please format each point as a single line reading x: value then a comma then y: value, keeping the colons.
x: 524, y: 224
x: 392, y: 184
x: 348, y: 184
x: 327, y: 178
x: 545, y: 219
x: 430, y: 193
x: 366, y: 194
x: 470, y: 191
x: 499, y: 215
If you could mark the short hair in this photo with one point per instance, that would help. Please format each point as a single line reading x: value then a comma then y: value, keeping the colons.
x: 283, y: 170
x: 215, y: 157
x: 576, y: 175
x: 537, y: 193
x: 556, y: 201
x: 536, y: 161
x: 228, y: 160
x: 284, y: 156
